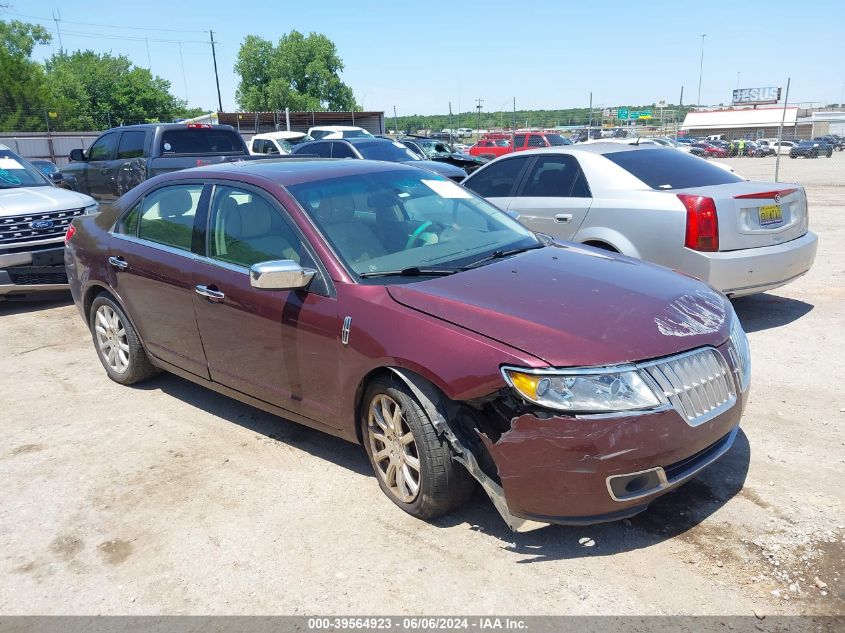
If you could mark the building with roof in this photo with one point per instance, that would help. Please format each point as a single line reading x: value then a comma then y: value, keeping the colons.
x: 748, y: 123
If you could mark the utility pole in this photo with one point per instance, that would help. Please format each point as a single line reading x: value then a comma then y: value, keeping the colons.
x: 147, y: 43
x: 395, y: 121
x: 451, y: 129
x: 184, y: 77
x: 478, y: 125
x: 738, y: 73
x: 57, y: 17
x: 780, y: 129
x: 590, y: 120
x: 513, y: 129
x: 700, y: 69
x: 216, y: 78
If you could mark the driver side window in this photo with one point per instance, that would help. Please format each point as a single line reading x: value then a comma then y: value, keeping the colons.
x: 246, y: 229
x: 104, y: 147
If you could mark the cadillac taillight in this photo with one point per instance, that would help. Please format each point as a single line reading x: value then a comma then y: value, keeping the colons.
x: 71, y: 229
x: 702, y: 223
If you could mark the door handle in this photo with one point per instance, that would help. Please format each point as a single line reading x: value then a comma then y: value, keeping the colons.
x: 563, y: 218
x: 210, y: 293
x: 118, y: 262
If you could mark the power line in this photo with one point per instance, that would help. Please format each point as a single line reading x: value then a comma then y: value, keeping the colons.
x: 108, y: 26
x: 128, y: 37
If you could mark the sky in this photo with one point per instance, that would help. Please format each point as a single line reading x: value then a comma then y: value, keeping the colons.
x: 419, y: 56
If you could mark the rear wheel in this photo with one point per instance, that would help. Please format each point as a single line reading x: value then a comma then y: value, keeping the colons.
x: 413, y: 465
x: 117, y: 344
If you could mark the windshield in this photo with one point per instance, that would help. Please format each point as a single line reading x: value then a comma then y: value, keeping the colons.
x: 660, y: 169
x: 396, y: 220
x: 391, y: 151
x: 16, y: 172
x: 556, y: 139
x: 434, y: 148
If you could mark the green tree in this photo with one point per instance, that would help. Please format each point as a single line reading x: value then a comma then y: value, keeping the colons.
x: 300, y: 73
x: 94, y: 91
x: 23, y: 85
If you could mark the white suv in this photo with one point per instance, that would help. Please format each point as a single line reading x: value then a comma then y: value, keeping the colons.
x: 34, y: 216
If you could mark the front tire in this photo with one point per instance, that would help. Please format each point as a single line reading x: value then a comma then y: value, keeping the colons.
x: 412, y: 463
x: 118, y: 346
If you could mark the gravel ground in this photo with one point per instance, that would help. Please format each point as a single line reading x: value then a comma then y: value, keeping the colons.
x: 168, y: 498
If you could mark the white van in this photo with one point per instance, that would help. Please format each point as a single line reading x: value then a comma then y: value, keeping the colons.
x: 275, y: 142
x: 332, y: 132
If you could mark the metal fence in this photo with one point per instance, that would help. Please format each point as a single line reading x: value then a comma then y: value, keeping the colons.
x: 54, y: 146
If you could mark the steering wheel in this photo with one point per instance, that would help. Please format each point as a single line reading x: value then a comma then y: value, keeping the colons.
x: 417, y: 233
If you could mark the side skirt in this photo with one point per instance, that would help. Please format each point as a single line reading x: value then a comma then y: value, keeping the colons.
x: 255, y: 402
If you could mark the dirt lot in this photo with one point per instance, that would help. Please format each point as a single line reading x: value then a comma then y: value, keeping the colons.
x: 168, y: 498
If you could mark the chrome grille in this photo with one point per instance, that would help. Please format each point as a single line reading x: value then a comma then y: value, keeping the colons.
x: 16, y: 229
x: 697, y: 384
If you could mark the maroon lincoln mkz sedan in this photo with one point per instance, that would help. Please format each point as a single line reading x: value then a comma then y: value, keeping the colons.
x: 389, y: 306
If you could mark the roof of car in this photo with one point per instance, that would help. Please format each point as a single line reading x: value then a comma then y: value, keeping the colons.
x: 592, y: 148
x: 281, y: 134
x: 292, y: 170
x: 354, y: 140
x: 337, y: 128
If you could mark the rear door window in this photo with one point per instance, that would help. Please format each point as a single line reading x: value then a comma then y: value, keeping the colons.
x: 131, y: 144
x: 536, y: 141
x: 200, y: 141
x: 167, y: 215
x: 342, y: 150
x: 324, y: 149
x: 662, y: 169
x: 519, y: 140
x: 497, y: 180
x: 556, y: 177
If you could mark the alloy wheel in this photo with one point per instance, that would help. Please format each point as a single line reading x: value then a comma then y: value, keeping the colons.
x: 393, y: 448
x: 111, y: 339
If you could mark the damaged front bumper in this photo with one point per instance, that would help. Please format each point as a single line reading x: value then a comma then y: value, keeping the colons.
x: 576, y: 471
x: 542, y: 467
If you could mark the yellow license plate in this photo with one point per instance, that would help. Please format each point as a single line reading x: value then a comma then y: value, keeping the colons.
x: 770, y: 214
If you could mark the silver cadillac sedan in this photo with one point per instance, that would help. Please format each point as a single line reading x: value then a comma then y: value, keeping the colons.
x: 657, y: 204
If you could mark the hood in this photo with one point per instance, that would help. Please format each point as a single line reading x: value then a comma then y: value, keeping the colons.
x: 22, y: 200
x: 571, y: 306
x: 444, y: 169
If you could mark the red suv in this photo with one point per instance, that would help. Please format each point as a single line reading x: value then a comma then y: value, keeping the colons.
x: 389, y: 306
x: 533, y: 140
x: 490, y: 148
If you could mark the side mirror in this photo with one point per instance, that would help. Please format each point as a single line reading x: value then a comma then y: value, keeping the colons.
x: 280, y: 274
x: 77, y: 156
x: 56, y: 176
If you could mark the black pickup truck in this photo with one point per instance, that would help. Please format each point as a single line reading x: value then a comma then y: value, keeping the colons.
x: 124, y: 157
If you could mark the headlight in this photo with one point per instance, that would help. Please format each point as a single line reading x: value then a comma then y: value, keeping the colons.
x: 740, y: 353
x: 91, y: 209
x: 602, y: 390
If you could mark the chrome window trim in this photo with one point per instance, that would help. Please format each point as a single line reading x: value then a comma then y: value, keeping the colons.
x: 156, y: 245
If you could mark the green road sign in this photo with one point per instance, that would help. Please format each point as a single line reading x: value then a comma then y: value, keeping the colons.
x: 622, y: 113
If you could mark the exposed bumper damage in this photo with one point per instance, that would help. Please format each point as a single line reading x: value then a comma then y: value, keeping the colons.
x: 540, y: 468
